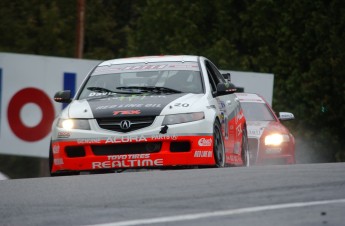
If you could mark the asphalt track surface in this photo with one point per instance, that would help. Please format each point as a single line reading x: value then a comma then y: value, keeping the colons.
x: 310, y: 194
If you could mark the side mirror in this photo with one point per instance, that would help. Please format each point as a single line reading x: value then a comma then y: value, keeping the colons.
x: 285, y: 116
x: 63, y: 96
x: 227, y: 77
x: 225, y: 88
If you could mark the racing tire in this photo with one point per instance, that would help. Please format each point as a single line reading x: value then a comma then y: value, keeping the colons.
x: 51, y: 159
x: 245, y: 149
x: 218, y: 146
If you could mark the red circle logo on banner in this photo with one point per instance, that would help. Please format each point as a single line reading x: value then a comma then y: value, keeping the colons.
x: 23, y: 97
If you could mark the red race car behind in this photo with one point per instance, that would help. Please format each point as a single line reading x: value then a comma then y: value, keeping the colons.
x: 270, y: 142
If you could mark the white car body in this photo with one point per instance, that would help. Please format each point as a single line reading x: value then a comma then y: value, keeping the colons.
x: 182, y: 124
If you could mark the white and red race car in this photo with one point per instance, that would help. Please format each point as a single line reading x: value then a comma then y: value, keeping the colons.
x: 149, y: 112
x: 270, y: 142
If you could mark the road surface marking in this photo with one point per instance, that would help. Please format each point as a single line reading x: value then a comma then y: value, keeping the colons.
x: 197, y: 216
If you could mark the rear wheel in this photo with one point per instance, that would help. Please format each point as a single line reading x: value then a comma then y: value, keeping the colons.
x: 245, y: 148
x: 218, y: 146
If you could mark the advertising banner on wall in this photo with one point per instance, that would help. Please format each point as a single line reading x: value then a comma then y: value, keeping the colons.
x: 28, y: 84
x: 27, y: 87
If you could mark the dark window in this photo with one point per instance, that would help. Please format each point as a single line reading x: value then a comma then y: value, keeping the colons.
x: 212, y: 76
x: 257, y: 112
x: 219, y: 76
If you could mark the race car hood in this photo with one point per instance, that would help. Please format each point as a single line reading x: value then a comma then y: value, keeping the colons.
x: 257, y: 128
x: 134, y: 105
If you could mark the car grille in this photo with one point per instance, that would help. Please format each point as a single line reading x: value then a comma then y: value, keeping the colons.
x: 128, y: 148
x: 253, y: 144
x: 135, y: 123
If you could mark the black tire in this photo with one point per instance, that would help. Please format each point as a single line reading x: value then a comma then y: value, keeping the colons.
x: 51, y: 159
x: 218, y: 146
x: 245, y: 149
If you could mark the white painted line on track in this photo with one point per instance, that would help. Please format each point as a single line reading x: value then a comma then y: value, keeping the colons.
x: 197, y: 216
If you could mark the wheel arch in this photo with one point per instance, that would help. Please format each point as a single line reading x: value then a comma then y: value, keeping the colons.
x: 217, y: 120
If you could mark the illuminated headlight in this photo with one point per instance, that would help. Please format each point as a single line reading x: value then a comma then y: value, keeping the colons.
x: 182, y: 118
x: 69, y: 124
x: 276, y: 139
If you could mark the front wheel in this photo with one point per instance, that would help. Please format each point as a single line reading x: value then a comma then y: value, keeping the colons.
x: 245, y: 148
x: 51, y: 159
x: 218, y: 146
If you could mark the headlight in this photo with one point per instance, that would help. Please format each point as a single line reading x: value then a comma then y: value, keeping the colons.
x: 276, y: 139
x: 182, y: 118
x: 74, y: 124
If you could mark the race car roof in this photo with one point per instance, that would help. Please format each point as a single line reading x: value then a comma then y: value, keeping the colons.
x: 249, y: 97
x: 150, y: 59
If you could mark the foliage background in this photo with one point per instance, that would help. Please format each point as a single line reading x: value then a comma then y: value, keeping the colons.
x: 301, y: 42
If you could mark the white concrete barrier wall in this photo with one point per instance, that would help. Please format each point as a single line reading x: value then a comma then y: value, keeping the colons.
x: 252, y: 82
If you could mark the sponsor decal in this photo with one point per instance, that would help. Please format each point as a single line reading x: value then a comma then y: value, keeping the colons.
x: 164, y: 137
x: 131, y: 105
x: 185, y: 66
x: 128, y: 97
x: 144, y: 67
x: 128, y: 106
x: 152, y: 105
x: 129, y: 156
x: 140, y: 138
x: 253, y: 132
x: 56, y: 149
x: 58, y: 161
x: 202, y: 154
x: 239, y: 115
x: 204, y: 142
x: 221, y: 105
x: 64, y: 134
x: 239, y: 130
x: 124, y: 139
x: 94, y: 94
x: 123, y: 161
x: 138, y: 97
x: 119, y: 106
x: 89, y: 141
x: 127, y: 112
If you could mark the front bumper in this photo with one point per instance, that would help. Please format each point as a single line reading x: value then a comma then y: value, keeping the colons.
x: 260, y: 154
x: 156, y: 151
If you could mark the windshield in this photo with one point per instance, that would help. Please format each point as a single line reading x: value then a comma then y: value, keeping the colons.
x: 257, y: 112
x: 167, y: 78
